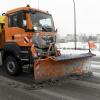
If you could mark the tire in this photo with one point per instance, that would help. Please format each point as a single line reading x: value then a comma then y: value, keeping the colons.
x: 12, y: 67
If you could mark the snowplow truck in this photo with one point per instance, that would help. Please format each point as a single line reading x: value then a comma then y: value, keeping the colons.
x: 28, y: 37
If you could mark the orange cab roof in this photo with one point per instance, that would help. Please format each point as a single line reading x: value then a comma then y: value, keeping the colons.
x: 24, y: 8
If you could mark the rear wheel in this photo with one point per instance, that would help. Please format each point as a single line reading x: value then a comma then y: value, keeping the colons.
x: 11, y: 65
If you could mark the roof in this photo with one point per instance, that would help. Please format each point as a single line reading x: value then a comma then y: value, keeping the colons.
x: 24, y: 8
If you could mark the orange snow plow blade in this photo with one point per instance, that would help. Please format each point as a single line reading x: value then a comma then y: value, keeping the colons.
x: 61, y: 66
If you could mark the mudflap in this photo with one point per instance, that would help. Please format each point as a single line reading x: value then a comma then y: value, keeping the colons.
x: 58, y: 67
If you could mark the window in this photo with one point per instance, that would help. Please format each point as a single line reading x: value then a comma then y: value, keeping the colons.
x: 17, y: 20
x: 45, y: 22
x: 42, y: 21
x: 10, y: 20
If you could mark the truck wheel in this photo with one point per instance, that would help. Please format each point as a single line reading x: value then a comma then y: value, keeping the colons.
x: 11, y: 65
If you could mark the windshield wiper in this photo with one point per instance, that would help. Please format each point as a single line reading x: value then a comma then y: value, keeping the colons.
x: 45, y: 28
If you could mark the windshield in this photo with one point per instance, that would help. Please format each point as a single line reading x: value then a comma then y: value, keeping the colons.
x: 42, y: 22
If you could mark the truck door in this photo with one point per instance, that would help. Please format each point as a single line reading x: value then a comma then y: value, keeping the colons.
x: 17, y: 23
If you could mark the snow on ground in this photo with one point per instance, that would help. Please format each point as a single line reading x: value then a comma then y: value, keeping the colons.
x: 71, y: 45
x: 67, y: 48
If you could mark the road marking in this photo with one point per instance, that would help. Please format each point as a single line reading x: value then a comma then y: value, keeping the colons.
x: 57, y: 95
x: 85, y: 84
x: 95, y: 66
x: 95, y: 62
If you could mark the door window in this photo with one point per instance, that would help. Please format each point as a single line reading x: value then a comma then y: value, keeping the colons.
x: 17, y: 20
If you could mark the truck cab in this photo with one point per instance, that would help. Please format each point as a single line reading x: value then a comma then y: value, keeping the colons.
x: 24, y: 22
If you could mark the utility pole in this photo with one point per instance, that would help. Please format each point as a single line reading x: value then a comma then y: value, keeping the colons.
x: 38, y: 4
x: 75, y: 39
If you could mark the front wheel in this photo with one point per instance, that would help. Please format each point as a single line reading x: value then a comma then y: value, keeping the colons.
x: 11, y: 65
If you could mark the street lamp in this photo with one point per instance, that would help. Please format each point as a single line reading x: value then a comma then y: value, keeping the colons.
x: 38, y: 4
x: 75, y: 24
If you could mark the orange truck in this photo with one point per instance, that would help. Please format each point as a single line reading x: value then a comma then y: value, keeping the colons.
x: 28, y: 37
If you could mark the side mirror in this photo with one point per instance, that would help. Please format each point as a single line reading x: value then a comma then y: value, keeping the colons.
x: 56, y: 30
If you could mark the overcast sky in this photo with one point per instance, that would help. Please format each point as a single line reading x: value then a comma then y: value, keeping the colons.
x: 87, y: 11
